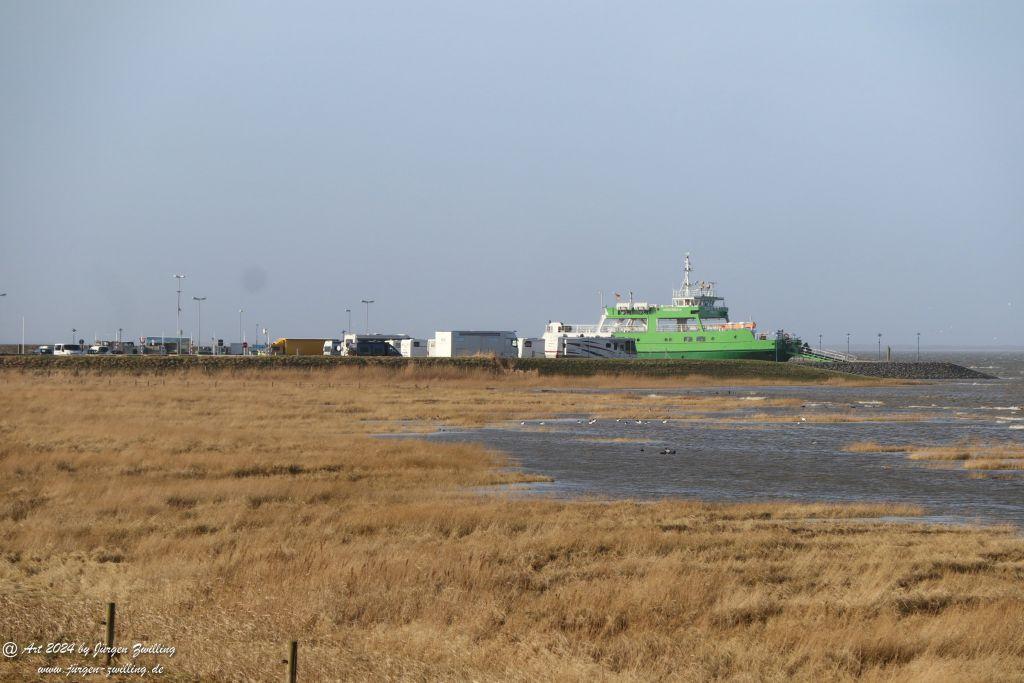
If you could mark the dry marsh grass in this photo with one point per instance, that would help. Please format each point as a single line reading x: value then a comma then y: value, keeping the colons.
x: 971, y: 455
x: 227, y: 515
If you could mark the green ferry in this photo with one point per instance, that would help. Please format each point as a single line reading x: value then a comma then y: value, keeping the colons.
x: 696, y: 325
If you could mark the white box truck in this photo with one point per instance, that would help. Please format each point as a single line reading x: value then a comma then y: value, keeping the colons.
x: 461, y: 343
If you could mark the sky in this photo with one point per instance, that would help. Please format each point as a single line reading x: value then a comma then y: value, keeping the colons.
x: 835, y: 167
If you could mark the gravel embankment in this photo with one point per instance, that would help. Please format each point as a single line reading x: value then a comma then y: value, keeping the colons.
x: 894, y: 370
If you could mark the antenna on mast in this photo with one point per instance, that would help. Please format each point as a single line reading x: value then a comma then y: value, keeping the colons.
x: 686, y: 275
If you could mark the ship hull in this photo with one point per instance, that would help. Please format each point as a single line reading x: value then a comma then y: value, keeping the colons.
x: 731, y: 347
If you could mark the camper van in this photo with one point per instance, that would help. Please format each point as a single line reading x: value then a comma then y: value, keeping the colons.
x: 67, y: 350
x: 578, y: 341
x: 460, y: 343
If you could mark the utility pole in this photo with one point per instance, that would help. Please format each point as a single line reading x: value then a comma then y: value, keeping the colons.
x: 819, y: 342
x: 349, y: 328
x: 367, y: 302
x: 879, y: 346
x: 177, y: 342
x: 241, y: 335
x: 918, y: 347
x: 847, y: 343
x: 199, y: 319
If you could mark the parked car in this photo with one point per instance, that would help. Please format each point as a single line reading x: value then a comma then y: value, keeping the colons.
x: 67, y: 350
x: 44, y: 350
x: 98, y: 350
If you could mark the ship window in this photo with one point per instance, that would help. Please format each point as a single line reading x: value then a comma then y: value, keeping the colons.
x: 677, y: 325
x: 687, y: 339
x: 631, y: 325
x: 712, y: 323
x: 700, y: 338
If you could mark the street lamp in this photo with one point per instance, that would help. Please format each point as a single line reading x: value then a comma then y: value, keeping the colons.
x: 241, y: 337
x: 847, y: 343
x: 177, y: 343
x: 918, y: 347
x: 349, y: 328
x: 199, y: 319
x: 73, y: 332
x: 879, y: 346
x: 819, y: 342
x: 367, y: 302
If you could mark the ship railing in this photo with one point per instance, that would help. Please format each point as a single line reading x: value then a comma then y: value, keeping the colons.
x: 579, y: 329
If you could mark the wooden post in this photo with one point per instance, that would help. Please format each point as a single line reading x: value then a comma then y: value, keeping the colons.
x: 293, y: 662
x: 111, y: 615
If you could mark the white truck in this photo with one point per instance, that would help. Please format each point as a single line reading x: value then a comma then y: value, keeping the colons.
x: 461, y: 343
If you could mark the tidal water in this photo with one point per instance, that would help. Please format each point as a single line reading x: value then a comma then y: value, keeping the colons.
x: 791, y: 460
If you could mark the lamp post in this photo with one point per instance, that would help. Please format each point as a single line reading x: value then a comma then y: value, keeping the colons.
x: 241, y: 337
x: 367, y: 302
x: 199, y: 319
x: 918, y: 347
x: 847, y: 343
x: 600, y: 295
x: 177, y: 342
x: 819, y: 342
x: 2, y: 295
x: 73, y: 332
x: 349, y: 328
x: 879, y: 346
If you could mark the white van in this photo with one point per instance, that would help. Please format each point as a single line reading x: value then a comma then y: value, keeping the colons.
x: 67, y: 350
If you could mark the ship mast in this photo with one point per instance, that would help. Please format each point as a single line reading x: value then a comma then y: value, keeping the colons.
x: 684, y: 295
x: 686, y: 275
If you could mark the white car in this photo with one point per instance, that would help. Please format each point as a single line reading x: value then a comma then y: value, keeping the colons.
x: 99, y: 350
x: 67, y: 350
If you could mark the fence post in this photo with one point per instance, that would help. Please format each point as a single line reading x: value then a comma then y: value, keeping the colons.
x: 111, y: 615
x: 293, y: 662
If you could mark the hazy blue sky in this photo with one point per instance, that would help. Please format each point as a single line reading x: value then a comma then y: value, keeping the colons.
x: 835, y: 167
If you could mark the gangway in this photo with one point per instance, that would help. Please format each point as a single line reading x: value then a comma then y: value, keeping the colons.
x: 807, y: 353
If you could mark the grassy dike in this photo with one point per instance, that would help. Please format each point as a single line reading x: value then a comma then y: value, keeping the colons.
x: 731, y: 370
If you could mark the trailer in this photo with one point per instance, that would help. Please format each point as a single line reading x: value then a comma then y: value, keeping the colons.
x: 459, y: 343
x: 297, y: 347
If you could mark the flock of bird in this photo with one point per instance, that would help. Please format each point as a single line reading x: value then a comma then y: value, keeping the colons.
x: 593, y: 420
